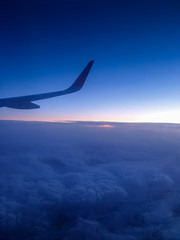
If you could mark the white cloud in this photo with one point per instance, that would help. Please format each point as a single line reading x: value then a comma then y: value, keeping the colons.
x: 69, y: 181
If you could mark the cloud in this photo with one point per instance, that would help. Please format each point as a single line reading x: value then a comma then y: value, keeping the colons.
x: 69, y: 181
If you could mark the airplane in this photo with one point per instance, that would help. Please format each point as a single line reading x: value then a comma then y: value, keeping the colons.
x: 25, y: 102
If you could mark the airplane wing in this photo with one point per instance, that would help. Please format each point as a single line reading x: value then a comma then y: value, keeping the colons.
x: 25, y: 102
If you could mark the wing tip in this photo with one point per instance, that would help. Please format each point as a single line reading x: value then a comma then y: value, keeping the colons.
x: 91, y: 62
x: 79, y: 82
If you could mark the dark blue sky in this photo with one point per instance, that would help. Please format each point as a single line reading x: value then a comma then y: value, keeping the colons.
x: 135, y: 44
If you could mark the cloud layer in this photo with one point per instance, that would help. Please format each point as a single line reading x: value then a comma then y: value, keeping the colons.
x: 83, y: 180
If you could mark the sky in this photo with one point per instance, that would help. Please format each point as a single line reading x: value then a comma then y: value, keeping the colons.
x: 44, y: 45
x: 83, y: 180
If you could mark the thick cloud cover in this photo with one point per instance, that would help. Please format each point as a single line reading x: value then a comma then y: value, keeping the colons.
x: 71, y: 181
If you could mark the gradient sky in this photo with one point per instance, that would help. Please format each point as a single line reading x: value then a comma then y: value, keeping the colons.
x: 44, y: 45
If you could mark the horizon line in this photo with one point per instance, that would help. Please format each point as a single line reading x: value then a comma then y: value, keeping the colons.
x: 86, y: 121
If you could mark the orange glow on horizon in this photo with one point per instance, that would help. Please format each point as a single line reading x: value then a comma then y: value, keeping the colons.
x: 102, y: 126
x: 170, y: 116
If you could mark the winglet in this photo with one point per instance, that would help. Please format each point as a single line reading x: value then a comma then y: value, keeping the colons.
x: 79, y: 82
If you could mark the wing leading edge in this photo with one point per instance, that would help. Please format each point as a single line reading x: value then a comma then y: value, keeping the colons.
x: 25, y: 102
